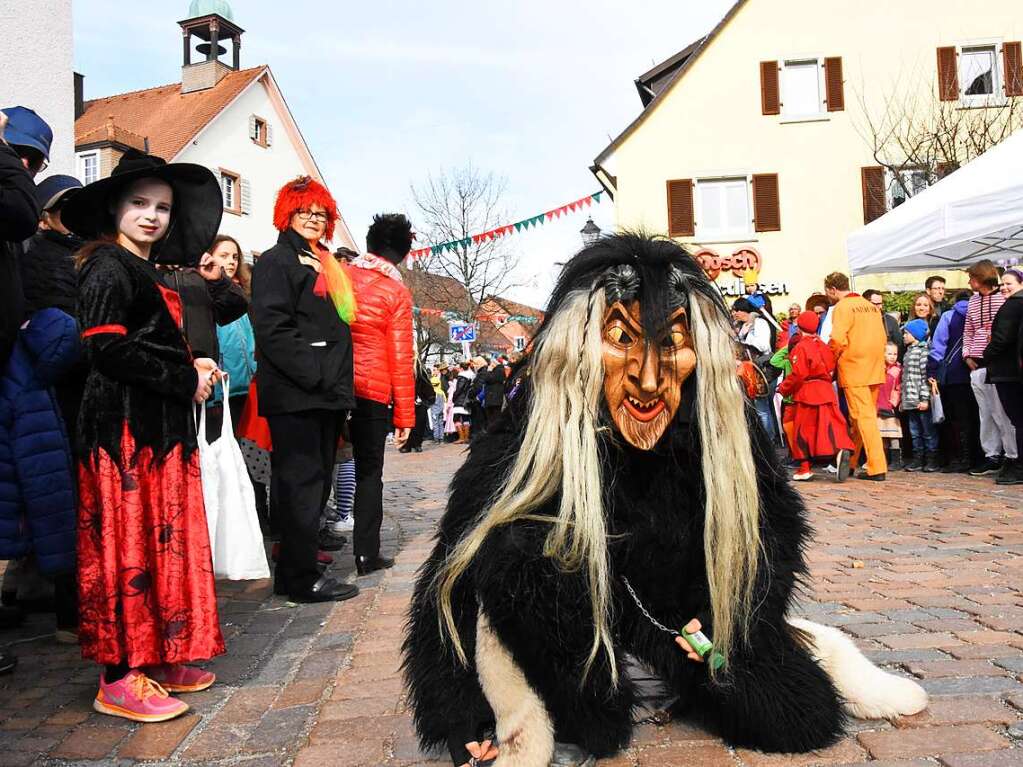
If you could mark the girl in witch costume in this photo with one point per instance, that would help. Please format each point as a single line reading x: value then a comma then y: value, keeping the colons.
x: 819, y: 429
x: 146, y: 587
x: 626, y: 494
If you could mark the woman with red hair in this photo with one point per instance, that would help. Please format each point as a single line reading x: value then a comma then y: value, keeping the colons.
x: 302, y: 304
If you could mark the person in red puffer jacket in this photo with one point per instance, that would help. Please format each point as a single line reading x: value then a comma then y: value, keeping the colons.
x: 382, y: 340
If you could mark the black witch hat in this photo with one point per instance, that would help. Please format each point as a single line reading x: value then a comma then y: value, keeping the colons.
x: 195, y: 214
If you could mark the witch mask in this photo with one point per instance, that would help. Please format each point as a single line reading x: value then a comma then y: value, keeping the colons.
x: 643, y: 376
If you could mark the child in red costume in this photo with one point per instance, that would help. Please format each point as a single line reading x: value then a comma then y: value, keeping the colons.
x: 820, y: 429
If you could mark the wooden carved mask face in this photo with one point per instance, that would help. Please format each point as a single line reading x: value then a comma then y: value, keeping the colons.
x: 643, y: 377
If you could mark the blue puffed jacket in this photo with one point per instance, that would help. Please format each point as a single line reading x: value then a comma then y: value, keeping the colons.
x: 237, y: 355
x: 37, y: 472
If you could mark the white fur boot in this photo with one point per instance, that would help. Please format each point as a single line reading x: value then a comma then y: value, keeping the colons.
x: 869, y: 692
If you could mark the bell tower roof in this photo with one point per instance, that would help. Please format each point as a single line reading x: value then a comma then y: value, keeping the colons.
x: 199, y: 8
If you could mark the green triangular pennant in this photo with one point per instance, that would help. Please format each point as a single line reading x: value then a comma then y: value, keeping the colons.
x: 596, y: 196
x: 518, y: 226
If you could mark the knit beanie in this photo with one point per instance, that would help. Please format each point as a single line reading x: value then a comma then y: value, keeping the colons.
x: 808, y: 322
x: 917, y: 328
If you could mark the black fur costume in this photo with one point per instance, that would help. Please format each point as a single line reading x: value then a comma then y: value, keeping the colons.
x: 773, y: 696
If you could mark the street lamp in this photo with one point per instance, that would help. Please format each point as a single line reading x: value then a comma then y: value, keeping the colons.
x: 590, y: 233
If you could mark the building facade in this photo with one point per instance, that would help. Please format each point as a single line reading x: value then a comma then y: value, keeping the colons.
x: 36, y: 70
x: 233, y: 121
x: 763, y: 145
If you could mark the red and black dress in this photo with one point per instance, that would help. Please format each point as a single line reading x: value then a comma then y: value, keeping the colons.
x: 820, y: 430
x: 145, y: 571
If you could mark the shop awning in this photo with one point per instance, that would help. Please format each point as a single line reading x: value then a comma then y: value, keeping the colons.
x: 974, y: 213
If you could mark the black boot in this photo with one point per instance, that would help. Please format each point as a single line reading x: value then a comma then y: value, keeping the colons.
x: 917, y: 463
x: 1011, y: 473
x: 931, y: 463
x: 367, y: 565
x: 895, y: 461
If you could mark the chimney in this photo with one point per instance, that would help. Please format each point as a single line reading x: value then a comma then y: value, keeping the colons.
x: 79, y: 95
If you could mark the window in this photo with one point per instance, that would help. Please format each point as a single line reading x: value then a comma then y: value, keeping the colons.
x: 230, y: 184
x: 801, y: 88
x: 723, y: 208
x: 520, y: 343
x: 978, y: 73
x: 259, y: 131
x: 89, y: 164
x: 903, y: 185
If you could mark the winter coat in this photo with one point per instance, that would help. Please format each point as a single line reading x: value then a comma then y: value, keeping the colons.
x: 945, y: 363
x: 980, y: 314
x: 858, y: 338
x: 1005, y: 350
x: 463, y: 391
x: 425, y: 394
x: 890, y: 393
x: 237, y: 354
x: 205, y: 305
x: 19, y: 217
x: 48, y: 272
x: 382, y: 336
x: 493, y: 382
x: 37, y: 475
x: 813, y: 370
x: 303, y: 348
x: 894, y: 332
x: 915, y: 388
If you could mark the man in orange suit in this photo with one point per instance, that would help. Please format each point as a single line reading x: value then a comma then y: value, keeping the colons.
x: 858, y: 339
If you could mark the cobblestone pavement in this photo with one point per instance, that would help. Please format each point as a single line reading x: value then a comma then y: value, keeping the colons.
x: 923, y: 570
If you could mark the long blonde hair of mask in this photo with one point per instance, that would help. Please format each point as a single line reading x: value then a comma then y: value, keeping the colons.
x: 559, y: 457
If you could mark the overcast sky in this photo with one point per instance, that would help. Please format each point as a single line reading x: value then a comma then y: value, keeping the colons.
x: 386, y: 92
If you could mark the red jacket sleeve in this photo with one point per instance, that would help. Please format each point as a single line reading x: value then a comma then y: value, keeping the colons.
x: 403, y: 383
x: 800, y: 369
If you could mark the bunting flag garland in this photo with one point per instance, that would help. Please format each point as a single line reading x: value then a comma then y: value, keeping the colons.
x: 504, y: 231
x: 497, y: 319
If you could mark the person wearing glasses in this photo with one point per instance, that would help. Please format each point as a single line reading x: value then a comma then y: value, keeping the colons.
x: 302, y: 304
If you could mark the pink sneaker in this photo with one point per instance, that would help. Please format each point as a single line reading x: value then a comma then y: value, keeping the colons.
x: 178, y: 677
x: 138, y: 698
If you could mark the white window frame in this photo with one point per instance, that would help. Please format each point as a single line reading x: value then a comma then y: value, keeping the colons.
x: 822, y: 108
x: 94, y: 155
x: 236, y: 191
x: 702, y: 235
x: 997, y: 95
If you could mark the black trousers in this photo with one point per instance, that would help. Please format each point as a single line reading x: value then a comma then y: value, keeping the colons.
x: 415, y: 437
x: 302, y: 463
x: 1011, y: 395
x: 962, y: 413
x: 369, y: 426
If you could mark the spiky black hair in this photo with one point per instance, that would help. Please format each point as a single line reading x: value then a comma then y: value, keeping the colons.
x: 390, y: 235
x: 655, y: 270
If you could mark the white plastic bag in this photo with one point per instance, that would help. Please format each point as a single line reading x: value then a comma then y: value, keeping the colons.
x: 937, y: 409
x: 235, y: 537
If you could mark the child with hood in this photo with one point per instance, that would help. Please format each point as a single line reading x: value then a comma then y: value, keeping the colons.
x: 820, y: 430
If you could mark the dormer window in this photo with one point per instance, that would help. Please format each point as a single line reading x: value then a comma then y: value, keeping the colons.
x: 259, y: 131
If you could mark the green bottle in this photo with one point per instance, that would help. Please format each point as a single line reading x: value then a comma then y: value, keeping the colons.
x: 703, y: 647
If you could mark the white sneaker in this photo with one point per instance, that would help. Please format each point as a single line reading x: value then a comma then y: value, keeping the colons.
x: 803, y: 477
x: 341, y: 526
x: 831, y: 469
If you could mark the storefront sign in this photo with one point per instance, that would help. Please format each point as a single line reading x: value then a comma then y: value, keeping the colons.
x: 741, y: 261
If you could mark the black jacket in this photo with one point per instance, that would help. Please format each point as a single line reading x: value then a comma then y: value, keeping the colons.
x: 1005, y: 349
x: 425, y: 395
x: 19, y: 218
x: 894, y: 333
x: 493, y: 380
x: 48, y: 272
x: 205, y: 304
x: 288, y: 319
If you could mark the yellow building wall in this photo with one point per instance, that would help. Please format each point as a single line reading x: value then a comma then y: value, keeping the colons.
x: 710, y: 123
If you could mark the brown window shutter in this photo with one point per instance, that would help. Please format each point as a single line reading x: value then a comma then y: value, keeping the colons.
x: 1012, y: 54
x: 874, y: 206
x: 948, y: 74
x: 833, y: 84
x: 770, y: 93
x: 681, y: 221
x: 766, y: 205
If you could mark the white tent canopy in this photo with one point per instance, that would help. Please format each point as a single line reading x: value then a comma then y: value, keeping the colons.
x: 974, y: 213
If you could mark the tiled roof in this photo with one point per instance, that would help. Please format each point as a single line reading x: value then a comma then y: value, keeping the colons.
x: 163, y: 114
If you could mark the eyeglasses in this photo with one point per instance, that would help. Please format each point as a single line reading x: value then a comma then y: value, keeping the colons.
x: 308, y: 215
